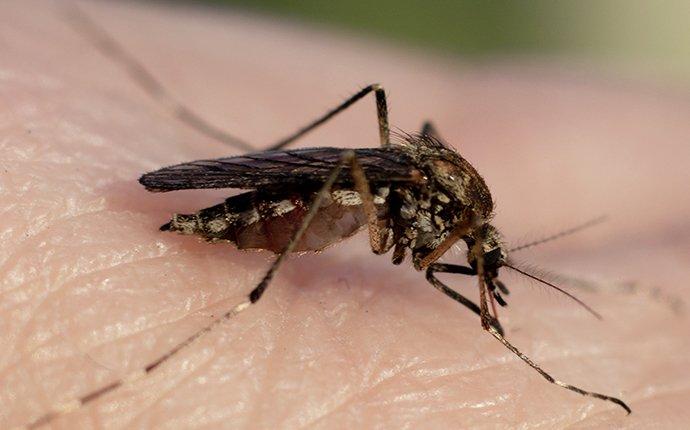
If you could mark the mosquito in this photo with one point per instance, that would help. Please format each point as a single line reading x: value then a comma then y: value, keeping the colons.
x: 414, y: 194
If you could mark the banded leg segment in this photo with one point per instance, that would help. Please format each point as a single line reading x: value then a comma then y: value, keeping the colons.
x: 381, y: 112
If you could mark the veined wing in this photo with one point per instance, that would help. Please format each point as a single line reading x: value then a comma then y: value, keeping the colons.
x: 280, y: 168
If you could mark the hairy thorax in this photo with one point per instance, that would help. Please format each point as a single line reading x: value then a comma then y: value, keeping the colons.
x: 450, y: 193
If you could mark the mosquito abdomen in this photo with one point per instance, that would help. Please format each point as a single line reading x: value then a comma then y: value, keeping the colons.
x: 258, y: 221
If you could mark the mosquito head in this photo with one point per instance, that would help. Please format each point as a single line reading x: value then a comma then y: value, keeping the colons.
x: 494, y: 253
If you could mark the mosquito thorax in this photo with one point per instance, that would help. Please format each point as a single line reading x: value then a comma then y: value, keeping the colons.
x: 450, y: 194
x: 448, y: 173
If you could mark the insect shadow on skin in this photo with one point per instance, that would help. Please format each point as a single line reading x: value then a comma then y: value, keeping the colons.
x: 415, y: 195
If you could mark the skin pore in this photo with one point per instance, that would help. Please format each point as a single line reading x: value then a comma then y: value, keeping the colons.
x: 91, y: 290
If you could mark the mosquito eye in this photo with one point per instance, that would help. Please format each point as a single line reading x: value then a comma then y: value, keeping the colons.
x: 492, y: 257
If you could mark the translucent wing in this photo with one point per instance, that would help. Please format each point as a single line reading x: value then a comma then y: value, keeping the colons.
x: 279, y: 168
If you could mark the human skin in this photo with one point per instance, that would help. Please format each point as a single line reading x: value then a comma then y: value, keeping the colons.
x: 91, y: 291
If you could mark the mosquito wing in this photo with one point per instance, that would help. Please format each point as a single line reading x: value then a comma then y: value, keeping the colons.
x: 279, y: 168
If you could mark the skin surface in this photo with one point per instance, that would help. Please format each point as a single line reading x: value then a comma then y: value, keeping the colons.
x: 90, y: 290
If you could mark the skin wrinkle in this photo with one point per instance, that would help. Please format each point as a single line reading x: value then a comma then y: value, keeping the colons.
x: 84, y: 275
x: 54, y: 293
x: 376, y: 372
x: 483, y: 369
x: 377, y: 382
x: 343, y: 352
x: 282, y: 336
x: 5, y: 266
x: 356, y: 396
x: 159, y: 399
x: 22, y: 340
x: 336, y: 339
x: 254, y: 416
x: 379, y: 385
x: 65, y: 245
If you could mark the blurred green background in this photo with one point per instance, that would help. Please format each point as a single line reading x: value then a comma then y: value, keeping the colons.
x: 642, y: 36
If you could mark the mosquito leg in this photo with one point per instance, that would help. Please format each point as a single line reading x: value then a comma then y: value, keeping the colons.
x: 381, y: 111
x: 486, y: 324
x: 462, y: 270
x: 110, y: 48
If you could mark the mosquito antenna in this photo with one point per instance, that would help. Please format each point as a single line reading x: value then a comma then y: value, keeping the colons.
x: 590, y: 223
x: 109, y: 47
x: 580, y: 302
